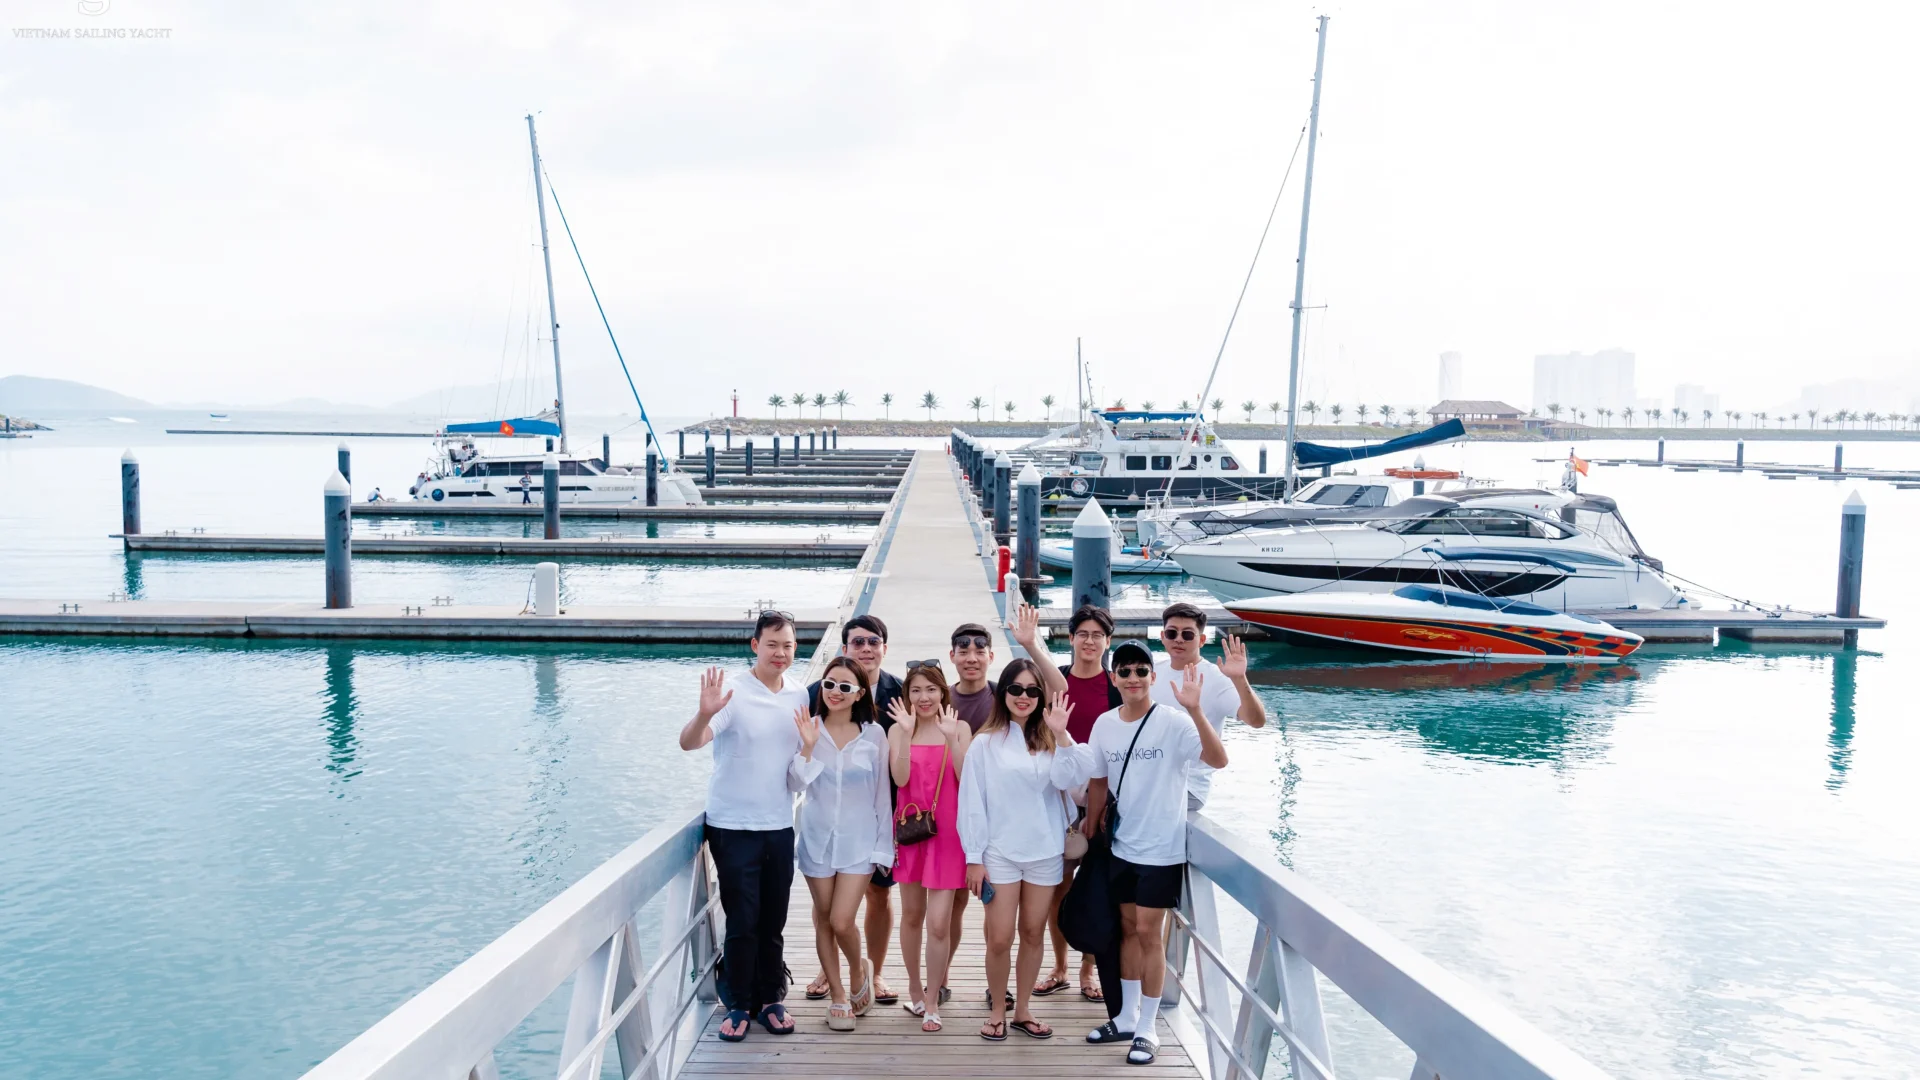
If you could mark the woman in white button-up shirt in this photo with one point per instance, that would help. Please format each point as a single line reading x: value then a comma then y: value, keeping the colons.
x: 1013, y: 826
x: 845, y: 827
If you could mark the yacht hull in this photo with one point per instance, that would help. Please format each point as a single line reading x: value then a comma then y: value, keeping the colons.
x: 1425, y: 628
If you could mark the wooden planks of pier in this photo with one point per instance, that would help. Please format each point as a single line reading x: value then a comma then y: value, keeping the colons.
x: 889, y: 1044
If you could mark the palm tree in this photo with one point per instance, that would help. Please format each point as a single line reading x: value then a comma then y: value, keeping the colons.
x: 976, y: 405
x: 1706, y: 417
x: 1761, y: 417
x: 1248, y: 407
x: 1627, y: 415
x: 1656, y: 414
x: 1553, y: 410
x: 1147, y: 405
x: 1681, y: 415
x: 799, y: 405
x: 1275, y: 407
x: 1119, y: 404
x: 776, y: 401
x: 886, y: 404
x: 1047, y: 404
x: 819, y: 406
x: 1185, y: 405
x: 1735, y: 417
x: 1871, y: 418
x: 929, y: 403
x: 1334, y: 411
x: 1580, y: 416
x: 1217, y: 406
x: 1361, y: 412
x: 1386, y: 415
x: 1413, y: 415
x: 842, y: 399
x: 1312, y: 409
x: 1606, y: 417
x: 1009, y: 406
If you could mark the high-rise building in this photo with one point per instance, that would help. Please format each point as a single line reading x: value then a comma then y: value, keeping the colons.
x: 1585, y: 381
x: 1453, y: 376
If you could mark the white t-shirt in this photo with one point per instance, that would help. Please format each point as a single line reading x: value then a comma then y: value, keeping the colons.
x: 1218, y: 700
x: 754, y: 742
x: 1153, y: 793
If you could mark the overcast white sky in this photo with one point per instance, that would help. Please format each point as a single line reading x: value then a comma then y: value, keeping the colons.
x: 335, y: 201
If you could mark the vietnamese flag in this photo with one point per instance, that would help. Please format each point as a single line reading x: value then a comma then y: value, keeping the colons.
x: 507, y: 429
x: 1579, y: 463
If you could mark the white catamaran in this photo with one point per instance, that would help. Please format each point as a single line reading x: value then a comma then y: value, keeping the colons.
x: 462, y: 474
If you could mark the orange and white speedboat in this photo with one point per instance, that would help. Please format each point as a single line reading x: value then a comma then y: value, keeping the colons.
x: 1437, y: 621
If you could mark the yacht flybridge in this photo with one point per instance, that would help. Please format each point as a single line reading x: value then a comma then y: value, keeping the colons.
x: 462, y: 474
x: 1138, y: 455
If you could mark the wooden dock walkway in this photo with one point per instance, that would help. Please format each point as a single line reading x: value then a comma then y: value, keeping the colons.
x: 888, y: 1042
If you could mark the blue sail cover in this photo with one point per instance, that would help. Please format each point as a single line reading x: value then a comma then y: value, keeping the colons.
x: 1307, y: 455
x: 525, y: 425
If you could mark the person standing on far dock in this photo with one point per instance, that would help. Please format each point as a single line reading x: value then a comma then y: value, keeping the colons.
x: 526, y: 489
x: 1136, y: 762
x: 752, y: 722
x: 846, y: 825
x: 1183, y: 629
x: 927, y: 745
x: 863, y: 639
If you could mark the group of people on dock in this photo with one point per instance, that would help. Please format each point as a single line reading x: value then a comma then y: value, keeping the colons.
x: 1004, y: 789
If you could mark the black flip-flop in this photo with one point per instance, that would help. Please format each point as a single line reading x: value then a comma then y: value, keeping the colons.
x: 1002, y: 1037
x: 1093, y: 993
x: 736, y: 1016
x: 1026, y: 1027
x: 1143, y: 1051
x: 1053, y: 985
x: 813, y: 996
x: 777, y: 1011
x: 1107, y: 1033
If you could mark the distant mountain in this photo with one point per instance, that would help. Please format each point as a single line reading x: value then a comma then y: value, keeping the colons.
x: 488, y: 401
x: 28, y: 393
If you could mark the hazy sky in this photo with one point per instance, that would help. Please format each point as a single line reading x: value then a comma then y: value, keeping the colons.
x: 335, y: 201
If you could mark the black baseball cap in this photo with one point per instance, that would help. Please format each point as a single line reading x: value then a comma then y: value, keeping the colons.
x: 1132, y: 652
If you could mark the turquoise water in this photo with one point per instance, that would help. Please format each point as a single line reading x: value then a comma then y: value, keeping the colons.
x: 226, y: 859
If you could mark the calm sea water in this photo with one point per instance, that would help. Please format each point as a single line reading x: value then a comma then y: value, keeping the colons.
x: 226, y: 859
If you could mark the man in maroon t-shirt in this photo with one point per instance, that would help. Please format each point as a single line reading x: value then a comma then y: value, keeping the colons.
x: 1091, y: 692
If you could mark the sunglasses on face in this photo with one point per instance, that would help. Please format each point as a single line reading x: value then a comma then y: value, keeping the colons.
x: 1178, y: 633
x: 865, y: 642
x: 839, y: 687
x: 971, y: 641
x: 1033, y: 692
x: 1133, y: 671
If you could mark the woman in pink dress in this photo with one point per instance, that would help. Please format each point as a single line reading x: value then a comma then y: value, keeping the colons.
x: 926, y: 747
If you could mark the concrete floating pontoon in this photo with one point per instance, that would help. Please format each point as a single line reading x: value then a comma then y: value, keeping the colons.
x: 615, y: 547
x: 815, y: 513
x: 634, y: 625
x: 726, y: 492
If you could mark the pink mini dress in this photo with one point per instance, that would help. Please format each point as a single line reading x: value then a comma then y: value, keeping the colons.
x: 939, y: 863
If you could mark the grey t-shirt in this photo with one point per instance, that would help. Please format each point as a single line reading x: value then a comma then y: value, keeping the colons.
x: 976, y: 707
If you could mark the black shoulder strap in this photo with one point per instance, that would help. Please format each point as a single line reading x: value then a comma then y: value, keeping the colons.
x: 1137, y: 729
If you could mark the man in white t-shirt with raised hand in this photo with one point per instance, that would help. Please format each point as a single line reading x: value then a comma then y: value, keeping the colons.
x: 1141, y: 752
x: 1226, y: 691
x: 752, y: 720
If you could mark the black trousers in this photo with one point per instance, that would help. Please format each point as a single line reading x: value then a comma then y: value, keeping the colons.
x: 755, y: 869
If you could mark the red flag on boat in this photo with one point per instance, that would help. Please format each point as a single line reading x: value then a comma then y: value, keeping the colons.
x: 507, y: 429
x: 1579, y: 463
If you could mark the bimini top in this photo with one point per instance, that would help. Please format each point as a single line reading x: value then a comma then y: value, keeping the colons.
x: 1116, y: 415
x: 525, y: 425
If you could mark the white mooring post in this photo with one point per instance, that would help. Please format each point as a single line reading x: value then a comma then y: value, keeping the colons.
x: 546, y: 589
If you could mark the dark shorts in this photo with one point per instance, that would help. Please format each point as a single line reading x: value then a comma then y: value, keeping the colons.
x: 882, y: 877
x: 1147, y: 886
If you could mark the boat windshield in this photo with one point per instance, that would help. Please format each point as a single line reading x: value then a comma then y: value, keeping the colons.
x: 1606, y: 527
x: 1326, y: 493
x: 1476, y: 602
x: 1473, y: 521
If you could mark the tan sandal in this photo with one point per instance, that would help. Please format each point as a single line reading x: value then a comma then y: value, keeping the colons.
x: 863, y: 997
x: 840, y: 1016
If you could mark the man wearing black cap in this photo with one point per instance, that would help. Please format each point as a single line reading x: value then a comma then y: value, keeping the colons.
x: 1139, y: 754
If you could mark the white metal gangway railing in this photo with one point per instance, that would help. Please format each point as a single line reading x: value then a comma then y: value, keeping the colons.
x: 652, y: 1014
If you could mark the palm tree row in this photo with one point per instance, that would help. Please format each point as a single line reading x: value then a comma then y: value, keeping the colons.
x: 1732, y: 417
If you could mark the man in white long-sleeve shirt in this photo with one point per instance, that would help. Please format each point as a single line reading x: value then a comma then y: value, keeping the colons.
x: 749, y: 719
x: 1139, y: 755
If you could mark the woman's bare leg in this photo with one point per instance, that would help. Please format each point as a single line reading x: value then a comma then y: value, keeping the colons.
x: 1000, y: 918
x: 913, y: 921
x: 938, y: 916
x: 822, y: 890
x: 847, y: 891
x: 1036, y: 904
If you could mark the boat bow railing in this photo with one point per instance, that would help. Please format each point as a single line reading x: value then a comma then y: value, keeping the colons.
x: 1302, y: 934
x: 590, y: 934
x: 651, y: 1014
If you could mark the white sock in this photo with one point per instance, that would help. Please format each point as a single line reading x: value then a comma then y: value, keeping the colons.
x: 1128, y: 1020
x: 1149, y: 1012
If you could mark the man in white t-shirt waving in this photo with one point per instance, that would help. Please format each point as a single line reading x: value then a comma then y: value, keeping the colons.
x: 1140, y: 753
x: 751, y: 719
x: 1225, y: 690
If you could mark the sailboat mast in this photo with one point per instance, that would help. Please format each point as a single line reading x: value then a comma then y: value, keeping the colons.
x: 1300, y: 264
x: 553, y: 315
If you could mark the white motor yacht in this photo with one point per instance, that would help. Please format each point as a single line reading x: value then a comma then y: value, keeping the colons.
x: 1166, y: 523
x: 1130, y: 456
x: 1558, y: 549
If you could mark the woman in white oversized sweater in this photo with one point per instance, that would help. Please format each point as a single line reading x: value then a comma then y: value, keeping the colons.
x: 1013, y: 826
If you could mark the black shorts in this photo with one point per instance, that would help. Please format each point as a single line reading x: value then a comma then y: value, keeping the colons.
x: 1147, y: 886
x: 882, y: 877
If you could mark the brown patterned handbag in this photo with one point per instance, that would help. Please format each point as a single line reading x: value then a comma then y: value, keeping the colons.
x: 914, y: 825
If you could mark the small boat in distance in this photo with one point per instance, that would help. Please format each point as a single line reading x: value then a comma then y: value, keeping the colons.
x: 1126, y: 561
x: 219, y: 417
x: 1437, y: 621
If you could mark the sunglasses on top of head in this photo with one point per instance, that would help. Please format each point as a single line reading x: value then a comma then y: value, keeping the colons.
x: 1033, y: 692
x: 1179, y: 633
x: 1133, y: 671
x: 911, y: 664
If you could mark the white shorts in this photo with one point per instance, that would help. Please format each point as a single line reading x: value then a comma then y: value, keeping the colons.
x: 1047, y: 871
x: 809, y: 868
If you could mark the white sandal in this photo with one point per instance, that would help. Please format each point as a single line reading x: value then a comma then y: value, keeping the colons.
x: 930, y: 1023
x: 862, y: 999
x: 840, y: 1016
